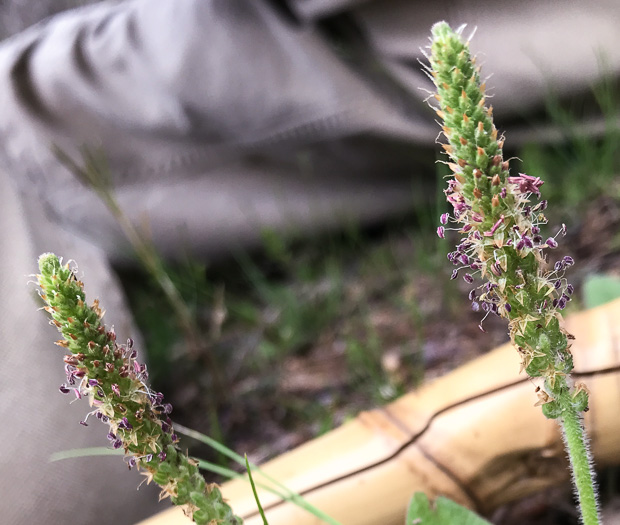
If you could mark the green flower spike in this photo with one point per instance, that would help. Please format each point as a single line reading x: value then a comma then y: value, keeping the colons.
x: 502, y: 244
x: 112, y: 379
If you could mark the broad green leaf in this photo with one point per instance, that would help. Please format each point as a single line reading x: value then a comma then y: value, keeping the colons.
x: 600, y: 289
x: 442, y: 512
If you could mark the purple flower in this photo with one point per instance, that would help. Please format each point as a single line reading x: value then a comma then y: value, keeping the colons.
x: 157, y: 398
x: 63, y: 389
x: 562, y: 303
x: 496, y: 269
x: 441, y: 232
x: 444, y: 218
x: 551, y: 243
x: 568, y: 261
x: 494, y: 227
x: 125, y: 424
x: 527, y: 183
x: 468, y: 278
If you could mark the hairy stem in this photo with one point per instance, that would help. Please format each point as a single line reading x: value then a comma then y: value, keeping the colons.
x: 576, y: 443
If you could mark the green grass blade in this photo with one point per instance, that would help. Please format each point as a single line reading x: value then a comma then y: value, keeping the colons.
x: 287, y: 495
x: 231, y: 474
x: 260, y: 507
x: 84, y: 453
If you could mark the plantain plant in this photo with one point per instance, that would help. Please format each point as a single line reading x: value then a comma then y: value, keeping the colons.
x: 502, y: 251
x: 115, y: 383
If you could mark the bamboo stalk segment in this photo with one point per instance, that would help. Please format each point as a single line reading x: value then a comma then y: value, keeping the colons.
x: 472, y: 435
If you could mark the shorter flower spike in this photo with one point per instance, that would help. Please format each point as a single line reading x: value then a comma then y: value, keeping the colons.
x: 109, y: 375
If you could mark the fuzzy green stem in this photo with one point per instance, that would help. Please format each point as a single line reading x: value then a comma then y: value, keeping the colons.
x: 576, y: 445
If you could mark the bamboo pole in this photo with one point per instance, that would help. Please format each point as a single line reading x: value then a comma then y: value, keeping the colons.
x: 472, y: 435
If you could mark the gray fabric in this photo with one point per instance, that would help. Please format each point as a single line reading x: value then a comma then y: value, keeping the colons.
x: 17, y: 15
x: 218, y: 118
x: 241, y: 95
x: 286, y: 94
x: 38, y: 420
x: 529, y: 46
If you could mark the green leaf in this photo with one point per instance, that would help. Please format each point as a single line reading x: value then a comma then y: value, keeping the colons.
x: 260, y: 507
x: 443, y: 512
x: 84, y: 453
x: 600, y: 289
x: 280, y: 489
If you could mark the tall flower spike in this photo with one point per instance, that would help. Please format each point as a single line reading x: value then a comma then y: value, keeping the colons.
x: 115, y: 384
x: 502, y: 244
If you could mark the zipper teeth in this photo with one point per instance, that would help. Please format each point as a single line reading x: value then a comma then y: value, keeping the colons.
x: 307, y: 130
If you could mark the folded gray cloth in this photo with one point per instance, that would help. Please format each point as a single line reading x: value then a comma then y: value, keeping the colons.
x: 218, y: 119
